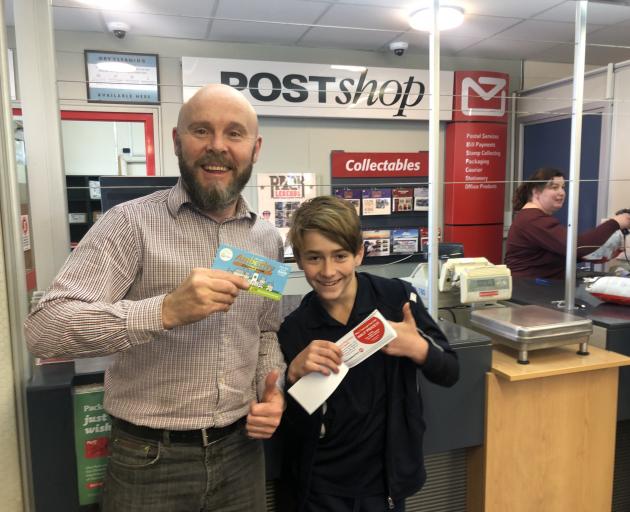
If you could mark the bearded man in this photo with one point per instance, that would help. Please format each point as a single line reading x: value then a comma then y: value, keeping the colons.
x: 193, y: 387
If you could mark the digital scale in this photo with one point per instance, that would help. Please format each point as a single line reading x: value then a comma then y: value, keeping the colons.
x: 477, y: 281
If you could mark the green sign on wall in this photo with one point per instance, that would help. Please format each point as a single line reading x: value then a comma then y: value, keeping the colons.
x: 92, y: 427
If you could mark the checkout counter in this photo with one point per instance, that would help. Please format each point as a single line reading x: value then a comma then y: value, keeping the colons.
x: 551, y: 399
x: 557, y: 428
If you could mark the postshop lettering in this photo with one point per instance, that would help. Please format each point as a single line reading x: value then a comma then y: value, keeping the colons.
x: 268, y: 87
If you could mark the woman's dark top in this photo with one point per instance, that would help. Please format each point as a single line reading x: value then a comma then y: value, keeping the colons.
x: 536, y: 244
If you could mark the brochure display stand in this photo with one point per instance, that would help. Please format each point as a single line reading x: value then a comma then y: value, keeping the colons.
x: 390, y: 193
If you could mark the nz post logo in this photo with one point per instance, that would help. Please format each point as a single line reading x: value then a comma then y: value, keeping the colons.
x: 480, y: 96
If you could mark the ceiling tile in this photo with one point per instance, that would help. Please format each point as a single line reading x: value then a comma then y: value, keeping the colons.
x: 160, y: 25
x: 344, y: 15
x: 542, y: 31
x: 615, y: 35
x: 604, y: 55
x: 8, y: 14
x: 67, y: 18
x: 396, y: 4
x: 192, y: 8
x: 256, y: 32
x: 510, y: 8
x: 599, y: 14
x: 271, y: 10
x: 507, y: 50
x: 347, y: 38
x: 480, y: 27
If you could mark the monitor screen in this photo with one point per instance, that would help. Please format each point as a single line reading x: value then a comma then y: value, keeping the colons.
x: 118, y: 189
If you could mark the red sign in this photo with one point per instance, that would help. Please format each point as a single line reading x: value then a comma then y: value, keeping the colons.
x: 483, y: 241
x: 481, y: 96
x: 379, y: 165
x: 474, y: 180
x: 370, y: 332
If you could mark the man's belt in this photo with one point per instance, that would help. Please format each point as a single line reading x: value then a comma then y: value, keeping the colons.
x: 202, y: 437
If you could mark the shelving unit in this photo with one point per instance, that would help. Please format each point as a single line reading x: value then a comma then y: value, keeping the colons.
x: 84, y: 205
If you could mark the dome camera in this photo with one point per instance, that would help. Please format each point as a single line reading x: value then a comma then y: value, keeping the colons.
x: 398, y: 47
x: 118, y: 29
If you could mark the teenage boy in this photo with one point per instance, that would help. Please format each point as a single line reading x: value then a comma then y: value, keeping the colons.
x: 362, y: 450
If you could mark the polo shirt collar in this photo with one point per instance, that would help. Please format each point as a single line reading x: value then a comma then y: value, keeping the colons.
x: 364, y: 304
x: 178, y: 197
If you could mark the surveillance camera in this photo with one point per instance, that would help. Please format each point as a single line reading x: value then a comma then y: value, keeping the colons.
x: 118, y: 29
x: 398, y: 47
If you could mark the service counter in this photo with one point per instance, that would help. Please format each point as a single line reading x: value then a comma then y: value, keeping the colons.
x: 550, y: 433
x: 454, y: 418
x: 611, y: 331
x: 613, y: 320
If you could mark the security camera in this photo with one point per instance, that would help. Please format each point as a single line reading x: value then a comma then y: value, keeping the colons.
x: 398, y: 47
x: 118, y: 29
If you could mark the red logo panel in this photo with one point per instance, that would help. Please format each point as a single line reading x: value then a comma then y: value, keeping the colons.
x: 481, y: 96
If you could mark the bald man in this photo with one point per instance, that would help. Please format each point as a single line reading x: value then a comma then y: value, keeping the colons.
x: 194, y: 384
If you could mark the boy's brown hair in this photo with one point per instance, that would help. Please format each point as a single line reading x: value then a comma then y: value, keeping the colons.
x: 331, y: 216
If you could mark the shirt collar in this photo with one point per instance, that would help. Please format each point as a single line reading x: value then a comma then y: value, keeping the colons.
x: 364, y: 304
x: 178, y: 197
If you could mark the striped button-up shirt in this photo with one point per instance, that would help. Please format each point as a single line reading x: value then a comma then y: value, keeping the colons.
x: 107, y: 299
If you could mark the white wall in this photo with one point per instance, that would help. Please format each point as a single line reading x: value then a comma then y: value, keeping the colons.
x: 290, y: 144
x: 619, y: 190
x: 556, y: 99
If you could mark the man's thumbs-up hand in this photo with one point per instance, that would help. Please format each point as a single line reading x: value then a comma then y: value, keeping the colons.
x: 408, y: 342
x: 264, y: 416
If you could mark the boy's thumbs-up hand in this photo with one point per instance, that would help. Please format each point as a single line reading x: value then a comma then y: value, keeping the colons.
x: 264, y: 416
x: 408, y: 342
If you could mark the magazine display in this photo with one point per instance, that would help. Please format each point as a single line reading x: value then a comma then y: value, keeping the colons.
x: 376, y: 242
x: 377, y: 201
x: 351, y: 195
x: 402, y: 199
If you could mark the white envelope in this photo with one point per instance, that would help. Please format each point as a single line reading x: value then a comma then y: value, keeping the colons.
x: 369, y: 336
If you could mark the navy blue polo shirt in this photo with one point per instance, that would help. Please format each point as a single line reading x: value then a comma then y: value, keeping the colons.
x: 350, y: 455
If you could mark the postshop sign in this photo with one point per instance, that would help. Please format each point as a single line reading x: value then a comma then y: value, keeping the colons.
x: 290, y: 89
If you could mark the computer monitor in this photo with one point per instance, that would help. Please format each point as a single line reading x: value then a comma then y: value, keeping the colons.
x: 118, y: 189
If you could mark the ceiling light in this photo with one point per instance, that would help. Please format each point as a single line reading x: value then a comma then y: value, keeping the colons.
x: 448, y: 17
x: 357, y: 69
x: 117, y: 67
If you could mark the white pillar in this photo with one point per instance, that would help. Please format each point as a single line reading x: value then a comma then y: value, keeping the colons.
x: 576, y: 152
x: 42, y: 135
x: 435, y: 204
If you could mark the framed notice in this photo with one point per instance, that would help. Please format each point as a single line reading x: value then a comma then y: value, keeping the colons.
x: 116, y: 77
x: 280, y: 194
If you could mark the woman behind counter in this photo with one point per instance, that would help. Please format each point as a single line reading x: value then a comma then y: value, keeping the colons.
x: 536, y: 243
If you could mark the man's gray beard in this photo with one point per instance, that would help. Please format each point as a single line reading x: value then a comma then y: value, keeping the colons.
x: 216, y: 199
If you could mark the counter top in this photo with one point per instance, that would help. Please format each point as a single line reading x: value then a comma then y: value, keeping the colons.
x: 553, y: 361
x: 543, y: 293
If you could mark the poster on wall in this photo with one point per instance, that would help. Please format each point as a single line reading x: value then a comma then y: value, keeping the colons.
x: 92, y: 428
x: 11, y: 74
x: 280, y: 194
x: 116, y: 77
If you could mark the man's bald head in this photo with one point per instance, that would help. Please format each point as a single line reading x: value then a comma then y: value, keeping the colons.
x: 218, y: 96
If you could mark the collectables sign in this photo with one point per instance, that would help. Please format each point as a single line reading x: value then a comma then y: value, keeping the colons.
x: 295, y: 89
x: 379, y: 165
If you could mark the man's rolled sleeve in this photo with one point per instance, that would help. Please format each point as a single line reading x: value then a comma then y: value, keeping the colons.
x: 144, y: 320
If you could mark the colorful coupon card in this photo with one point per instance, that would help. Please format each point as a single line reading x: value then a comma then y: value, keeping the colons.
x: 372, y: 334
x: 266, y: 277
